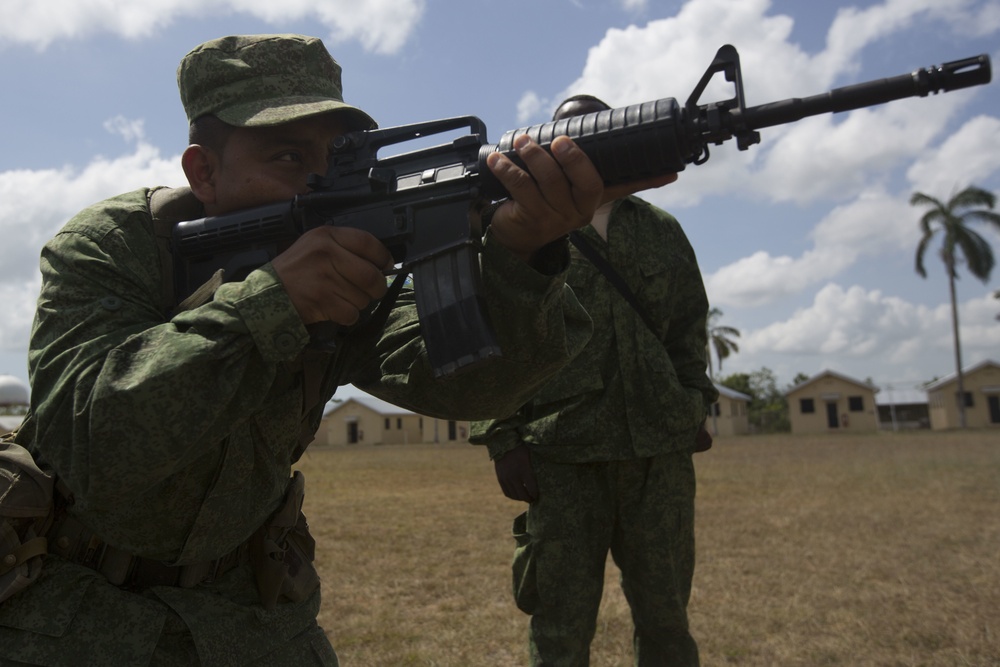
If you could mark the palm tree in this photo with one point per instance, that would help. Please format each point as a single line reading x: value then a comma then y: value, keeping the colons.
x: 721, y: 339
x: 972, y: 204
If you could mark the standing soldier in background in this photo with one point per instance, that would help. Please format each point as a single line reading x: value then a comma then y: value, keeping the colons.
x: 603, y: 453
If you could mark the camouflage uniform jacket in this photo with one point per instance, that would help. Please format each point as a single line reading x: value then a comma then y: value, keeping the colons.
x: 630, y: 393
x: 177, y: 435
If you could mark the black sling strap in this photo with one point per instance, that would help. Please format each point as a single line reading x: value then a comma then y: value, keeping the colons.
x: 703, y: 440
x: 590, y: 252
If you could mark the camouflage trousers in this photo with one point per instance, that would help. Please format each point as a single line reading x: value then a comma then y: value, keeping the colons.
x: 642, y: 512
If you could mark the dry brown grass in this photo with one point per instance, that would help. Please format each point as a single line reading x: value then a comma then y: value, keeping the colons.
x: 880, y: 550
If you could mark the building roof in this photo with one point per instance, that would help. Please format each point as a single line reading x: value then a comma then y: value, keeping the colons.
x: 900, y: 396
x: 732, y: 393
x: 937, y: 384
x: 833, y: 374
x: 370, y: 402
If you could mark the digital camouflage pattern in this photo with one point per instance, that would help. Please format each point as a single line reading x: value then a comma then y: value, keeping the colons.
x: 631, y: 393
x: 611, y: 438
x: 642, y: 511
x: 259, y: 80
x: 177, y: 435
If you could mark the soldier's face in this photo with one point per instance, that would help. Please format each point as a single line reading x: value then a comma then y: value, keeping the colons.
x: 263, y: 165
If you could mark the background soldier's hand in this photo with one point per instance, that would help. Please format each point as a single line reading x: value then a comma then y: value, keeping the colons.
x: 516, y: 476
x: 703, y: 439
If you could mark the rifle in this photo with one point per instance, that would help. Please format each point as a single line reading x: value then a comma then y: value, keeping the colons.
x: 424, y: 204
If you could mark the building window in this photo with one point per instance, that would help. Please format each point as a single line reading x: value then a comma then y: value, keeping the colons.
x: 968, y: 399
x: 856, y: 403
x: 807, y: 406
x: 399, y: 423
x: 388, y: 424
x: 452, y: 430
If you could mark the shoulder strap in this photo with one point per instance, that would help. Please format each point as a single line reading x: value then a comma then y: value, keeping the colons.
x: 168, y: 206
x: 590, y: 252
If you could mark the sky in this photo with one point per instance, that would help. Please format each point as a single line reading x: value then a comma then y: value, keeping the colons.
x: 806, y: 241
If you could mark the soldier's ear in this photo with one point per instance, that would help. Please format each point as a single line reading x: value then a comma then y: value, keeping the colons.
x: 200, y: 166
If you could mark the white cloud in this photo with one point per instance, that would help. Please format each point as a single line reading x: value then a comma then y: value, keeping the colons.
x: 980, y: 325
x: 862, y: 146
x: 19, y: 299
x: 381, y: 26
x: 666, y: 57
x: 854, y: 28
x: 875, y: 222
x: 872, y: 222
x: 529, y: 106
x: 965, y: 158
x: 634, y: 5
x: 129, y: 130
x: 761, y: 278
x: 849, y: 161
x: 839, y: 321
x: 855, y: 330
x: 51, y: 197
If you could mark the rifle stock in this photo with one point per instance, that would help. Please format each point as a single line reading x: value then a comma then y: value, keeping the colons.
x: 422, y: 204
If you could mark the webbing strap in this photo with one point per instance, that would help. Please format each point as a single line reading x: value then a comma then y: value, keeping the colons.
x: 604, y: 266
x: 169, y: 206
x: 38, y: 546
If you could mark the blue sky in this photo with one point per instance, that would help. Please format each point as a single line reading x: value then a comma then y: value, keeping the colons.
x: 806, y: 241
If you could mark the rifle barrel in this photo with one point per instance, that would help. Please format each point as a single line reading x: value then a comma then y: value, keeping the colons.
x: 922, y: 82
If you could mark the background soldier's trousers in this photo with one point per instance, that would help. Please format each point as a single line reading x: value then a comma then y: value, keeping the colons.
x: 642, y: 511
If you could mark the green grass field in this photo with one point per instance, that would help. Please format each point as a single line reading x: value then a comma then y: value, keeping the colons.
x: 812, y: 551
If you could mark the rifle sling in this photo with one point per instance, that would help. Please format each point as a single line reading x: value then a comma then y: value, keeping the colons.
x: 591, y: 253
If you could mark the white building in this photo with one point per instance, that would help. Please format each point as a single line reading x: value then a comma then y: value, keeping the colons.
x: 369, y: 420
x: 13, y: 402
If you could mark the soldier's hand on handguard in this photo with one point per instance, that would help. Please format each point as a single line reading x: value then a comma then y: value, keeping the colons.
x: 516, y: 476
x: 558, y: 193
x: 333, y: 273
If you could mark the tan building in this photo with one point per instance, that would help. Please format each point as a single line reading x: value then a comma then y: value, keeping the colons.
x: 729, y: 415
x: 368, y: 420
x: 832, y: 403
x: 982, y: 398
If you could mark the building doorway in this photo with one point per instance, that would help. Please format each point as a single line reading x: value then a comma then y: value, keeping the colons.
x: 832, y: 420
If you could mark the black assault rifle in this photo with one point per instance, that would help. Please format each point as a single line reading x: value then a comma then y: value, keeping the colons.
x: 422, y: 204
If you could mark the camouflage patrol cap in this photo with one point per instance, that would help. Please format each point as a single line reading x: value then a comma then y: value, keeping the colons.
x: 260, y: 80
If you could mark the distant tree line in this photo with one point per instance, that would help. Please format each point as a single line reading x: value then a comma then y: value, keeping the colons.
x: 768, y: 409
